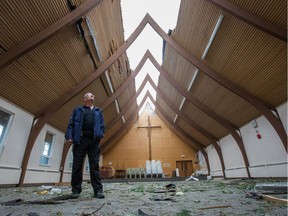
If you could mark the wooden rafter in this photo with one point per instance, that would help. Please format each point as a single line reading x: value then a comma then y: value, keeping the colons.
x: 192, y: 124
x: 226, y: 124
x: 127, y: 125
x: 206, y: 159
x: 182, y: 134
x: 196, y: 143
x: 132, y: 100
x: 260, y: 105
x: 45, y: 114
x: 251, y: 19
x: 47, y: 33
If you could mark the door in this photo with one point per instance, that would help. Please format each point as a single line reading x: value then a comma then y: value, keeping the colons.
x: 185, y: 168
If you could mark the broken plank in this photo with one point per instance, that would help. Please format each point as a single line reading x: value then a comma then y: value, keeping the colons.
x: 213, y: 207
x: 275, y: 199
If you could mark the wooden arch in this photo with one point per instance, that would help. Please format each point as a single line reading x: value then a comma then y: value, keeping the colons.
x: 44, y: 115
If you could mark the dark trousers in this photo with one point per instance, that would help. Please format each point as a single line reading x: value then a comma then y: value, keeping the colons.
x: 92, y: 148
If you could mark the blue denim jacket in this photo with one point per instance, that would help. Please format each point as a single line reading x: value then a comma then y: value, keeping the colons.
x: 74, y: 129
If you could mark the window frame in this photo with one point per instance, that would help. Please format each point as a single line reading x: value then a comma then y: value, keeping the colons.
x: 48, y: 157
x: 7, y: 129
x: 71, y: 160
x: 87, y: 166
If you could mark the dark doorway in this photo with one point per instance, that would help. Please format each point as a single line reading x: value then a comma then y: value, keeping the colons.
x: 185, y: 168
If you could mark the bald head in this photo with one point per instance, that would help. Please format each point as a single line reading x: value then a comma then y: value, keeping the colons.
x: 89, y: 96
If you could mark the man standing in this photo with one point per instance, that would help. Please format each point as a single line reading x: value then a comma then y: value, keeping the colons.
x: 85, y: 130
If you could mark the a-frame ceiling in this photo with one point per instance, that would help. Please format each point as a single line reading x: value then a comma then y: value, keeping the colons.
x: 52, y: 52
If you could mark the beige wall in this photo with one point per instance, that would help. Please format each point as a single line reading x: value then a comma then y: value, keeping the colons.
x: 133, y: 149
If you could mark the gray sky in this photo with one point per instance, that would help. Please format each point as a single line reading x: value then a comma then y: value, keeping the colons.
x: 165, y: 13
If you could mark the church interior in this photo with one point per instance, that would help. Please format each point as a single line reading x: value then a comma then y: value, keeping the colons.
x: 219, y: 111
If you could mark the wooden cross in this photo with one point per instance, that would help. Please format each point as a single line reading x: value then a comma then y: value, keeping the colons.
x: 149, y: 135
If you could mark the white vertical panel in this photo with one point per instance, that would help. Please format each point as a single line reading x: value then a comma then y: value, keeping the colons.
x: 267, y: 155
x: 14, y: 144
x: 234, y: 162
x: 282, y: 111
x: 215, y: 164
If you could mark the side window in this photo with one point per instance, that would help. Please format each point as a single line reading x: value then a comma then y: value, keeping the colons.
x: 71, y: 161
x: 5, y: 122
x: 46, y: 154
x: 87, y: 167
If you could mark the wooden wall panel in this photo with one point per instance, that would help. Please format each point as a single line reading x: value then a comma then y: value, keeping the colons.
x: 132, y: 150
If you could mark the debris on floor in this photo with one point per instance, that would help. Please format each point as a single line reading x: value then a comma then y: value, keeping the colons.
x: 192, y: 177
x: 132, y: 198
x: 272, y: 188
x: 141, y: 213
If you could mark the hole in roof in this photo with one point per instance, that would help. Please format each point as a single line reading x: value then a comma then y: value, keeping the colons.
x: 165, y: 14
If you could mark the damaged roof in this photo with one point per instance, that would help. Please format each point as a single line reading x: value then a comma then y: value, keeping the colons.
x: 224, y: 65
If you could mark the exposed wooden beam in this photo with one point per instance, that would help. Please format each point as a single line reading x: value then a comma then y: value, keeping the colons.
x: 226, y: 124
x: 120, y: 133
x: 172, y: 106
x: 196, y: 144
x: 125, y: 108
x: 148, y: 78
x: 34, y: 132
x: 127, y: 125
x: 126, y: 83
x: 192, y: 124
x: 47, y: 112
x: 51, y: 108
x: 206, y: 159
x: 182, y: 136
x: 251, y: 19
x: 260, y: 105
x: 110, y: 124
x: 65, y: 150
x: 131, y: 101
x: 47, y: 33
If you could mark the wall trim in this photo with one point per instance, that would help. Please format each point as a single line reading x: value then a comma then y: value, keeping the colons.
x: 234, y: 168
x: 270, y: 164
x: 10, y: 168
x: 39, y: 170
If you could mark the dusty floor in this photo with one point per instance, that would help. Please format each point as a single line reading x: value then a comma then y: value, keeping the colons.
x: 214, y: 197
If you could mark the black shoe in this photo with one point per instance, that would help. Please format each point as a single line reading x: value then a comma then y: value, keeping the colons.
x: 99, y: 195
x: 74, y: 195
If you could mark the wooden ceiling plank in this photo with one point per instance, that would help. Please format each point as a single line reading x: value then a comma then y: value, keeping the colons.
x: 47, y: 33
x: 251, y: 19
x: 47, y: 112
x: 51, y: 108
x: 259, y: 104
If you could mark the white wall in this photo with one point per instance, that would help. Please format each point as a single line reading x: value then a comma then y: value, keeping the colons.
x: 14, y: 144
x: 214, y: 161
x: 267, y: 156
x: 282, y: 111
x: 14, y: 148
x: 47, y: 174
x: 233, y: 159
